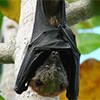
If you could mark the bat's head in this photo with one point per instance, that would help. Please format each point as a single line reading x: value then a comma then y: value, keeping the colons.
x: 50, y: 79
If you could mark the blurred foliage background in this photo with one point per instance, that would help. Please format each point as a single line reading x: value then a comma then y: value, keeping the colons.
x: 88, y: 40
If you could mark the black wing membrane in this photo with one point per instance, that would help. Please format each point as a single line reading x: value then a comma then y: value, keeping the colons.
x: 47, y: 38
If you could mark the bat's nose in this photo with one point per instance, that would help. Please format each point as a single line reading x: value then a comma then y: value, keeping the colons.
x: 54, y: 54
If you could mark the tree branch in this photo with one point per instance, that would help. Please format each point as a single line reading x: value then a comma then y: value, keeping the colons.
x: 9, y: 28
x: 79, y: 11
x: 6, y: 53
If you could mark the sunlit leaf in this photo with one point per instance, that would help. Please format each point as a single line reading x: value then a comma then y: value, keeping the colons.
x: 95, y: 21
x: 89, y: 24
x: 13, y: 10
x: 63, y: 96
x: 88, y: 42
x: 90, y: 80
x: 1, y: 16
x: 84, y: 25
x: 1, y: 98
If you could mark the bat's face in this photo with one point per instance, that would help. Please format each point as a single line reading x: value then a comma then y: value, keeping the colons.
x: 50, y: 79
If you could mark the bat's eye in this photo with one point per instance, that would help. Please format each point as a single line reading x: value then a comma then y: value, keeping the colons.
x: 59, y: 68
x: 38, y: 82
x: 47, y: 67
x: 62, y: 87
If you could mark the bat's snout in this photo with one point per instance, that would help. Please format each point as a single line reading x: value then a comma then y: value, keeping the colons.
x: 54, y: 54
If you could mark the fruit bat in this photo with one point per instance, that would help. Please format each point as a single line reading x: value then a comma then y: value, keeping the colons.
x: 52, y: 52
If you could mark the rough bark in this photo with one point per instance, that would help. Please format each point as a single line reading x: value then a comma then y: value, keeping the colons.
x: 79, y: 11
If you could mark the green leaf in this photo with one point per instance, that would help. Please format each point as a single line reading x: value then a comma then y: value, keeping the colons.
x: 91, y: 23
x: 1, y: 98
x: 1, y: 71
x: 3, y: 3
x: 96, y: 6
x: 88, y: 42
x: 1, y: 17
x: 84, y: 25
x: 95, y: 21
